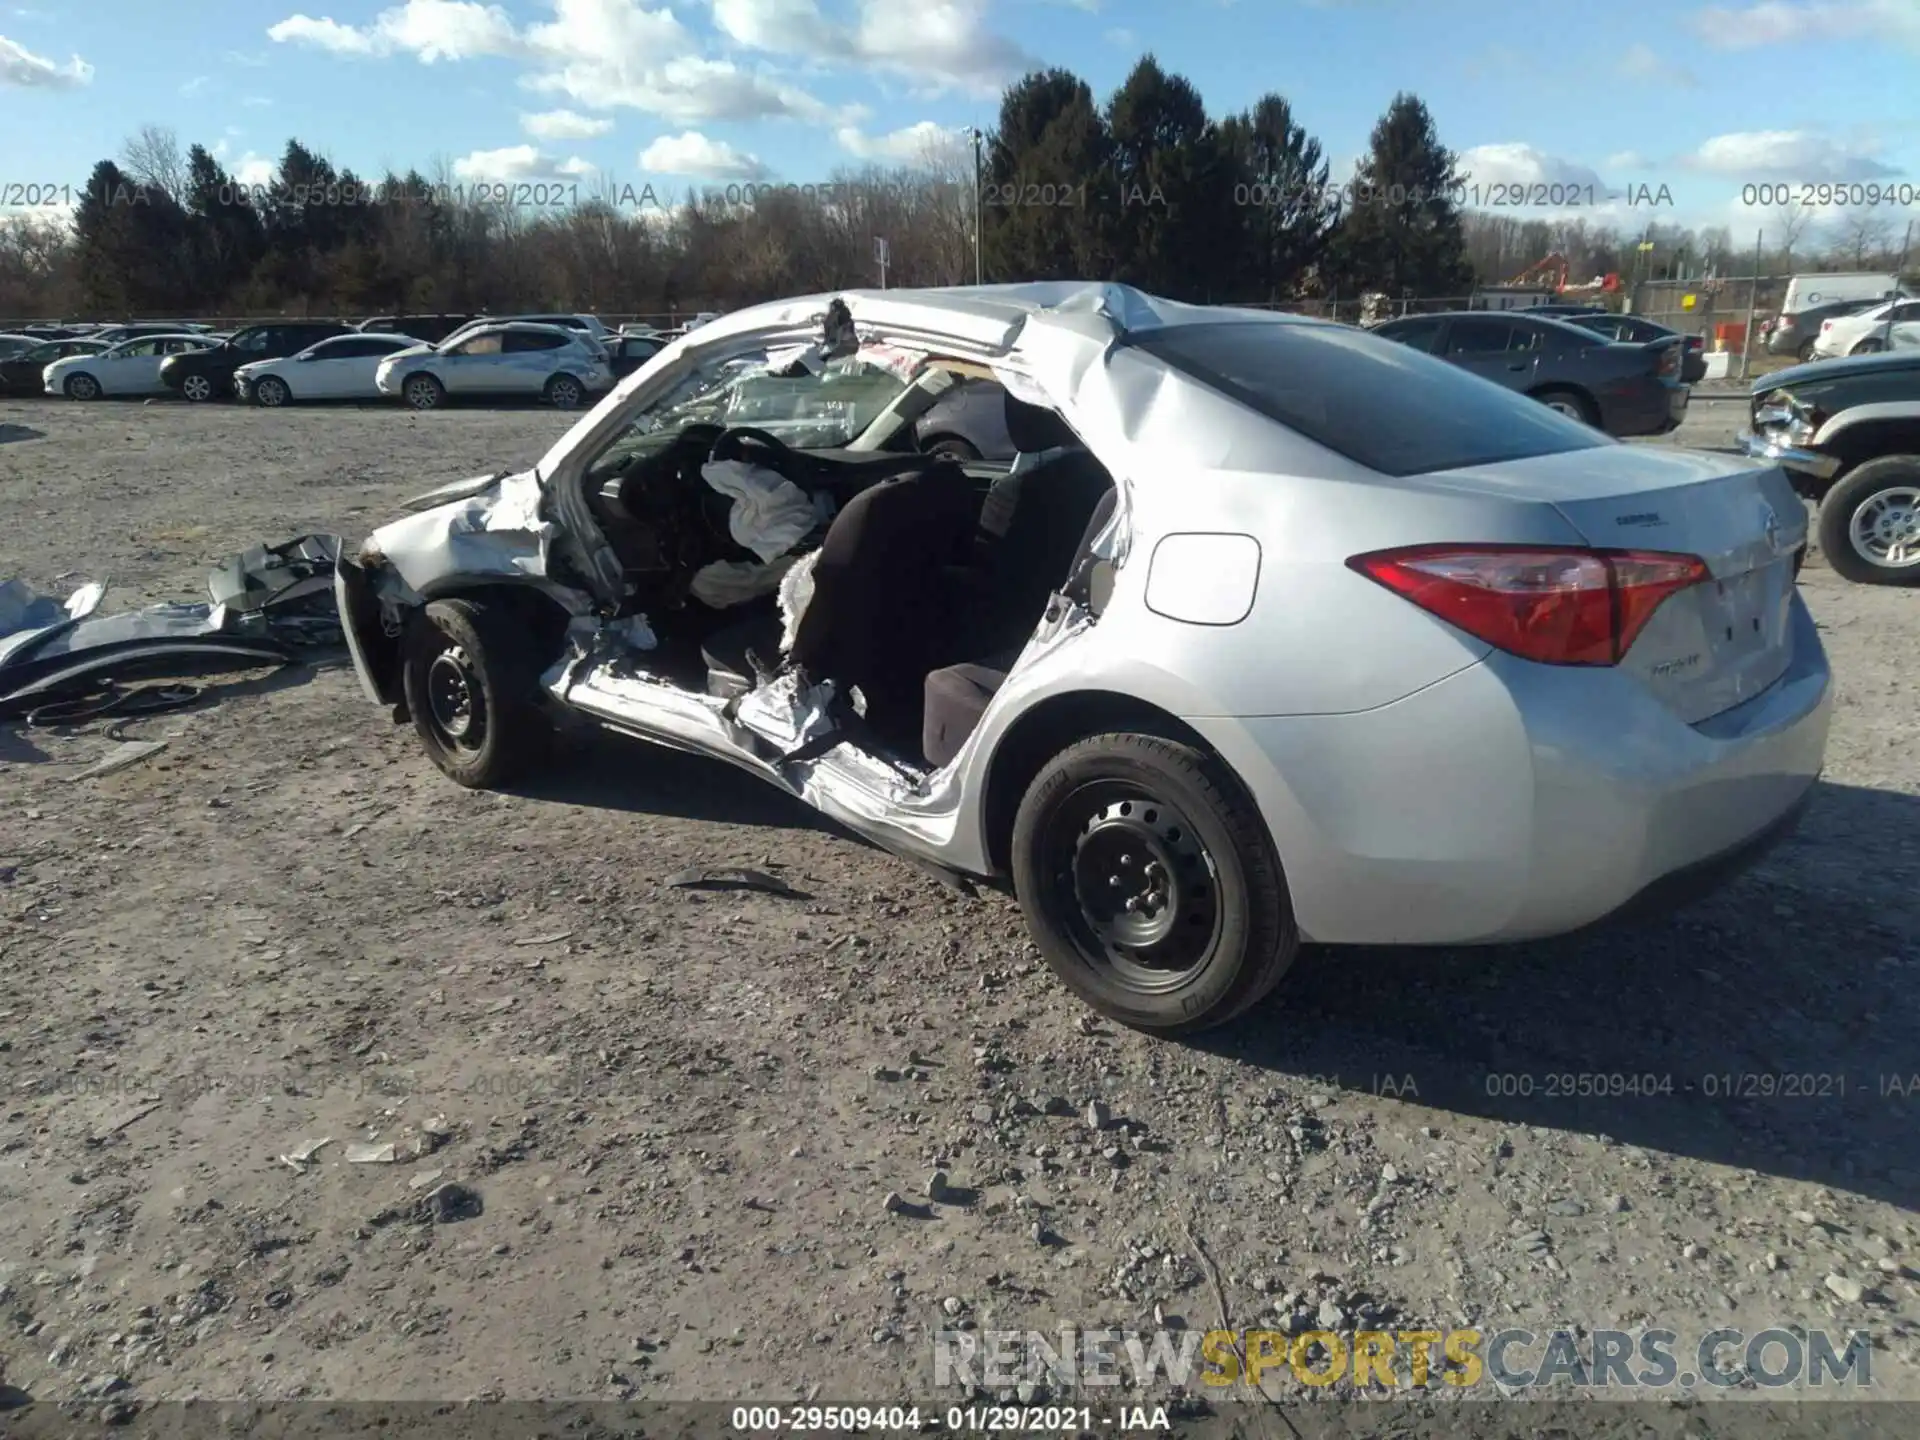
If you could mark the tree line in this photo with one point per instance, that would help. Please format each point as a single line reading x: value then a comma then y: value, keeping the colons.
x: 1146, y: 188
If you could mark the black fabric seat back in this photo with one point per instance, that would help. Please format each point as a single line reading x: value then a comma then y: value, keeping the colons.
x: 880, y: 617
x: 1031, y: 526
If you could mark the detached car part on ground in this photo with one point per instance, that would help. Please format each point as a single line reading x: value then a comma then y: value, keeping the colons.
x: 1274, y: 632
x: 1848, y: 433
x: 266, y: 605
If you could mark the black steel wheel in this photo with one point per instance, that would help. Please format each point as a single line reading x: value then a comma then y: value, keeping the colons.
x: 1150, y: 883
x: 471, y: 683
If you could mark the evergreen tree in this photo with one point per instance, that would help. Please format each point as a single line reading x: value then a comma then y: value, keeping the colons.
x: 1288, y: 210
x: 1044, y: 181
x: 1403, y: 233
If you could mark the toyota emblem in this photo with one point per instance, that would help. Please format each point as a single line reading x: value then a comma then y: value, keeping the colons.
x: 1772, y: 526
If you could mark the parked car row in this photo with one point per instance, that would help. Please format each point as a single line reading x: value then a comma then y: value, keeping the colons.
x: 295, y: 361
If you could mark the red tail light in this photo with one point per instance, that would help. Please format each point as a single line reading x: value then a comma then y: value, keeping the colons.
x: 1669, y: 362
x: 1559, y: 606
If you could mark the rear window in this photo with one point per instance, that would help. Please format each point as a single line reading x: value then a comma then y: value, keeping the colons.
x: 1377, y: 402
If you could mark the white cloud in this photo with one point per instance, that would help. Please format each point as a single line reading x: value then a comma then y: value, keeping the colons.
x: 943, y: 44
x: 1640, y: 61
x: 563, y: 125
x: 1122, y: 37
x: 1796, y: 156
x: 196, y: 86
x: 256, y: 102
x: 609, y: 54
x: 323, y: 34
x: 250, y: 62
x: 786, y: 27
x: 519, y: 162
x: 1517, y: 164
x: 429, y: 30
x: 255, y: 171
x: 1628, y: 160
x: 694, y: 154
x: 911, y: 145
x: 1775, y: 22
x: 20, y: 66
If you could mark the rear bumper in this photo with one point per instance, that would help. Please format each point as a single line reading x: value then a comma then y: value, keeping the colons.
x: 1695, y: 882
x: 1655, y: 408
x: 1514, y: 801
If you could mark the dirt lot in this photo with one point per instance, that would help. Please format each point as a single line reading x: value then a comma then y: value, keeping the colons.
x: 677, y: 1114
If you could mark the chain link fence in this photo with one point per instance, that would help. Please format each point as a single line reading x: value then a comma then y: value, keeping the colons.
x: 1732, y: 315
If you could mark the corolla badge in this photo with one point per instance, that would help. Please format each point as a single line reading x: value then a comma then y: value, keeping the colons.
x: 1770, y: 522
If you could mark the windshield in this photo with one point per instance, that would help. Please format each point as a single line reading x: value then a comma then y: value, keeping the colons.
x: 807, y: 409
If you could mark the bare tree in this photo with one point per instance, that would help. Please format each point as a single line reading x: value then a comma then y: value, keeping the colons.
x: 153, y: 157
x: 1863, y: 238
x: 1791, y: 223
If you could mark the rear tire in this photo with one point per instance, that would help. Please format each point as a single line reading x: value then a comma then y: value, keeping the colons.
x: 1570, y: 403
x: 423, y: 392
x: 1805, y: 352
x: 1150, y: 883
x: 82, y: 387
x: 1869, y: 522
x: 563, y: 392
x: 1867, y: 347
x: 471, y: 681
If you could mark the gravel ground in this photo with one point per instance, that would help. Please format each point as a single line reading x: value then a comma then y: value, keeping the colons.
x: 677, y: 1115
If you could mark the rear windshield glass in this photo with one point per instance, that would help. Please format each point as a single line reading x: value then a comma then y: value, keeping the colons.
x: 1379, y: 403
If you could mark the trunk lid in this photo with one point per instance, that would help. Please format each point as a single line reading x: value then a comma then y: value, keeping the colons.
x: 1714, y: 645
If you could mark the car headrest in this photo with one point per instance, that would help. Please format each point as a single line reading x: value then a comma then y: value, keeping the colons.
x: 1034, y: 428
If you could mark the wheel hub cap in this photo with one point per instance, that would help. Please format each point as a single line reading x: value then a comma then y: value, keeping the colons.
x: 450, y: 693
x: 1141, y: 881
x: 1886, y: 529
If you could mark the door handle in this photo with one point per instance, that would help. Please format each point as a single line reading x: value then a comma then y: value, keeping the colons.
x: 1522, y: 366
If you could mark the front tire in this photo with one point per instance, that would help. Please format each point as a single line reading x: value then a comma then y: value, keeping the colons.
x: 271, y: 392
x: 423, y: 392
x: 198, y: 389
x: 1867, y: 347
x: 563, y: 392
x: 471, y: 680
x: 1150, y: 883
x: 1869, y: 522
x: 82, y: 387
x: 1805, y: 353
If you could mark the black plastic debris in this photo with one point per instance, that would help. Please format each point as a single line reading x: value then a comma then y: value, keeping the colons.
x: 265, y: 606
x: 701, y: 877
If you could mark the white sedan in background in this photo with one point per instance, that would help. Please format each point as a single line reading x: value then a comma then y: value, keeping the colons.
x: 1866, y: 332
x: 511, y: 358
x: 130, y: 368
x: 343, y: 368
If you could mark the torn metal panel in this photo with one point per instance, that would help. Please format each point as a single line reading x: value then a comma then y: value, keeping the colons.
x: 264, y: 604
x: 789, y: 712
x: 496, y: 530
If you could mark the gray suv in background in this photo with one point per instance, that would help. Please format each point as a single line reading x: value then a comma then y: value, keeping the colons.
x: 1795, y: 334
x: 1621, y: 388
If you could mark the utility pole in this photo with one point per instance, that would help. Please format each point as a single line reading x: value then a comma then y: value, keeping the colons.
x: 978, y: 140
x: 880, y: 254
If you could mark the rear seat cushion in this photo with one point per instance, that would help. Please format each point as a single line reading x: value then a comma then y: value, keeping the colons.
x: 956, y: 699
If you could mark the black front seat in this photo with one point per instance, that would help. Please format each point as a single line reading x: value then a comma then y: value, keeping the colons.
x: 1030, y: 527
x: 881, y: 616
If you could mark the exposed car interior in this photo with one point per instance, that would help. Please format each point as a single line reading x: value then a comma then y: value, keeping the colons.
x: 924, y: 577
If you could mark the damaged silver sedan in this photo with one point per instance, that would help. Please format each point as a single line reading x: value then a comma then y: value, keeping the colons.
x: 1272, y: 631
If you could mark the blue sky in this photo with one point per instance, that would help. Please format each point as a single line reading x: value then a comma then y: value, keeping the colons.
x: 1700, y: 98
